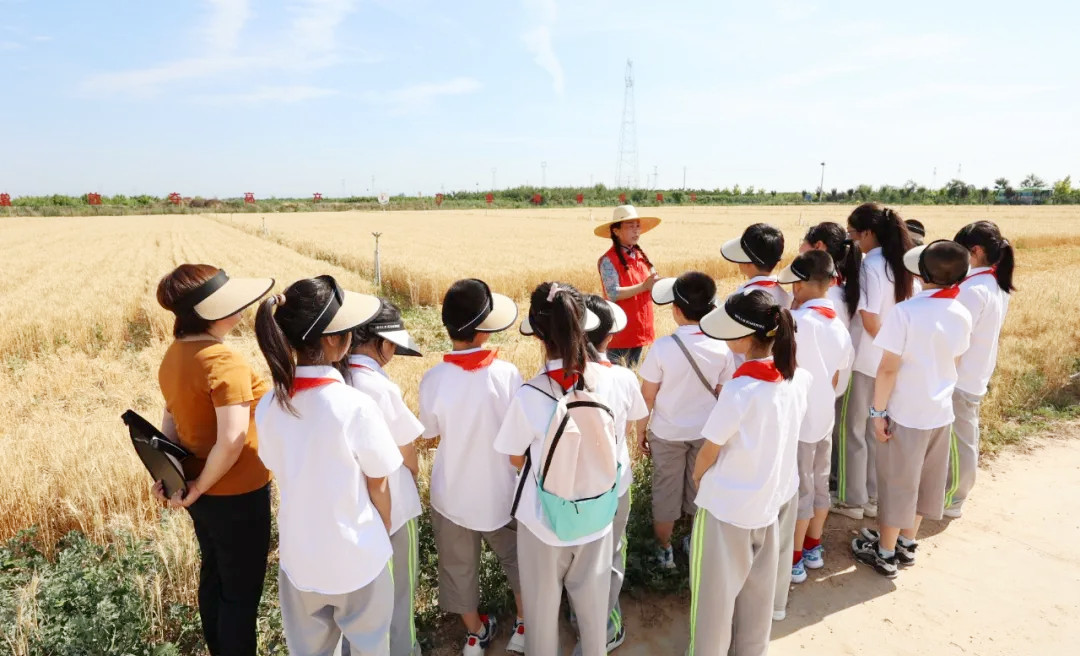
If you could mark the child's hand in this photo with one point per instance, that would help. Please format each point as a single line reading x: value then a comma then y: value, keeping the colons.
x: 881, y: 429
x: 643, y: 443
x: 159, y: 492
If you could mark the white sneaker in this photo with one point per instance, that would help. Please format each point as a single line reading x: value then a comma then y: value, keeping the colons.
x: 870, y: 508
x: 953, y: 512
x: 854, y: 512
x: 779, y: 615
x: 517, y: 638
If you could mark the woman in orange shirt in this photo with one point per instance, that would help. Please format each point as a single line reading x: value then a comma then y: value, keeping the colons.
x: 210, y: 397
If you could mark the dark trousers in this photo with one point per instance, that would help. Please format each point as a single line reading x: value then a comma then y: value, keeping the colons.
x: 628, y: 357
x: 234, y: 539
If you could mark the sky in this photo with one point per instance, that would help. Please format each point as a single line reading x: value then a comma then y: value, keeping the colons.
x: 290, y: 97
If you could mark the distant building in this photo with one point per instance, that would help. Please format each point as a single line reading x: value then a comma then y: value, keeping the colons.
x: 1025, y: 196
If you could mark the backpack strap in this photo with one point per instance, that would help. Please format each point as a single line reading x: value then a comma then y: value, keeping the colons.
x: 694, y: 365
x: 522, y: 480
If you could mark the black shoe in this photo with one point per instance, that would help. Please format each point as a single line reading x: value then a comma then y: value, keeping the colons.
x: 866, y: 551
x: 905, y: 555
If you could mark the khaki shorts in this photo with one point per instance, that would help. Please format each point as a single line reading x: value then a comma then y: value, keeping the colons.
x: 459, y: 561
x: 673, y: 488
x: 814, y: 463
x: 912, y: 469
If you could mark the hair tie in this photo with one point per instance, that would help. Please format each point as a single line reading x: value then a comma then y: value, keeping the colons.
x: 278, y: 299
x: 1004, y: 242
x: 555, y: 289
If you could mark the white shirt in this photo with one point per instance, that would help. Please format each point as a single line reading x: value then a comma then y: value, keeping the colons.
x: 526, y: 426
x: 471, y: 483
x: 928, y: 334
x: 836, y: 295
x: 756, y: 423
x: 822, y: 347
x: 777, y: 291
x: 683, y: 403
x: 987, y: 302
x: 630, y: 407
x: 371, y: 379
x: 332, y: 539
x: 876, y: 296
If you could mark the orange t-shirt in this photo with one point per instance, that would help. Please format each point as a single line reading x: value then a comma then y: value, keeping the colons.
x: 196, y: 377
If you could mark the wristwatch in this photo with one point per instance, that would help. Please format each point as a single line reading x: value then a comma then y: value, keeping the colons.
x: 875, y: 413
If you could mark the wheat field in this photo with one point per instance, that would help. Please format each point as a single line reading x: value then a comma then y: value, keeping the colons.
x: 82, y: 334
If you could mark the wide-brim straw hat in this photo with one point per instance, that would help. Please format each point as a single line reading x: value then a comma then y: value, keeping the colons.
x: 222, y: 296
x: 626, y: 213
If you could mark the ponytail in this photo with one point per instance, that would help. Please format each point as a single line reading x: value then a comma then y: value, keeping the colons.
x: 893, y: 237
x: 784, y: 344
x: 280, y: 355
x: 846, y: 256
x: 999, y: 252
x: 557, y: 313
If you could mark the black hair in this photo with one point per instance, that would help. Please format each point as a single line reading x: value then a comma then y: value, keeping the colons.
x: 816, y: 265
x: 944, y: 263
x: 846, y: 256
x: 279, y: 325
x: 363, y: 333
x: 695, y: 294
x: 764, y: 244
x: 917, y: 231
x: 893, y: 237
x: 172, y: 289
x: 779, y: 332
x: 598, y: 306
x: 999, y: 252
x: 558, y: 323
x: 463, y: 301
x: 619, y: 247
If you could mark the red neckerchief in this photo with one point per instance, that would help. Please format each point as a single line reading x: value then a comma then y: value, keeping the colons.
x: 947, y: 292
x: 360, y: 366
x: 991, y: 270
x: 764, y: 283
x: 301, y: 384
x: 604, y: 363
x: 826, y: 312
x: 560, y: 377
x: 761, y: 369
x: 474, y: 360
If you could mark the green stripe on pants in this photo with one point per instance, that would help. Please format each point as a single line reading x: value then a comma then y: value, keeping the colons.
x: 841, y: 475
x: 696, y: 555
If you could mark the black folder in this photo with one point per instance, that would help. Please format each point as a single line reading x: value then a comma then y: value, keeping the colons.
x: 160, y: 456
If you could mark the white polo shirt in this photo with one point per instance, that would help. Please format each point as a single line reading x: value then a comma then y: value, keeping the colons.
x: 836, y: 295
x: 370, y: 378
x: 822, y: 347
x: 332, y: 539
x: 471, y: 483
x: 928, y: 334
x: 988, y: 303
x: 756, y: 423
x: 768, y: 284
x: 683, y: 404
x: 876, y: 296
x: 629, y: 407
x: 525, y: 427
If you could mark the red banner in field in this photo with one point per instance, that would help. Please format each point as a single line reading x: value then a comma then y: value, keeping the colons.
x: 537, y: 199
x: 5, y: 200
x: 249, y: 197
x: 93, y: 199
x: 174, y: 198
x: 622, y: 199
x: 693, y: 198
x: 318, y: 197
x: 438, y: 199
x: 489, y: 199
x: 659, y: 198
x: 580, y: 198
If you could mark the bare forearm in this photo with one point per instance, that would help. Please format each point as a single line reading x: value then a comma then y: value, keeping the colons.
x: 706, y: 458
x: 883, y: 387
x: 379, y: 493
x: 409, y: 459
x: 219, y: 461
x: 871, y: 322
x: 623, y: 293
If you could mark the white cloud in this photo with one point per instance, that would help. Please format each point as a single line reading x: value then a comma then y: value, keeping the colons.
x: 10, y: 45
x: 262, y: 95
x: 538, y: 40
x: 42, y: 38
x: 419, y: 96
x: 317, y: 21
x: 793, y: 10
x: 227, y: 21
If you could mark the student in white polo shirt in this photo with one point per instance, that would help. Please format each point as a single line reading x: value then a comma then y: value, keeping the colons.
x: 825, y: 349
x: 912, y: 409
x: 985, y: 293
x: 463, y: 401
x: 335, y: 502
x: 551, y: 558
x: 744, y: 472
x: 628, y: 410
x: 681, y: 376
x: 374, y: 344
x: 883, y: 238
x: 757, y: 254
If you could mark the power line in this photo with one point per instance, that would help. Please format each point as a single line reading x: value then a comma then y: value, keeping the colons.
x: 626, y: 169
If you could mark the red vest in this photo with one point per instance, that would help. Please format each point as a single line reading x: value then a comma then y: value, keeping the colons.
x: 639, y: 309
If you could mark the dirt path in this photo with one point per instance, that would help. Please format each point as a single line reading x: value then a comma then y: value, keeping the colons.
x: 1001, y: 580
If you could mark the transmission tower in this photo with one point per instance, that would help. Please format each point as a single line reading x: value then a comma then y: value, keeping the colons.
x: 626, y: 170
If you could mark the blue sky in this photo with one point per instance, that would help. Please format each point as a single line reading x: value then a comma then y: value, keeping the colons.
x: 218, y: 97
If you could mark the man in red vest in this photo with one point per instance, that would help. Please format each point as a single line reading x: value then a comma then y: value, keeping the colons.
x: 628, y: 276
